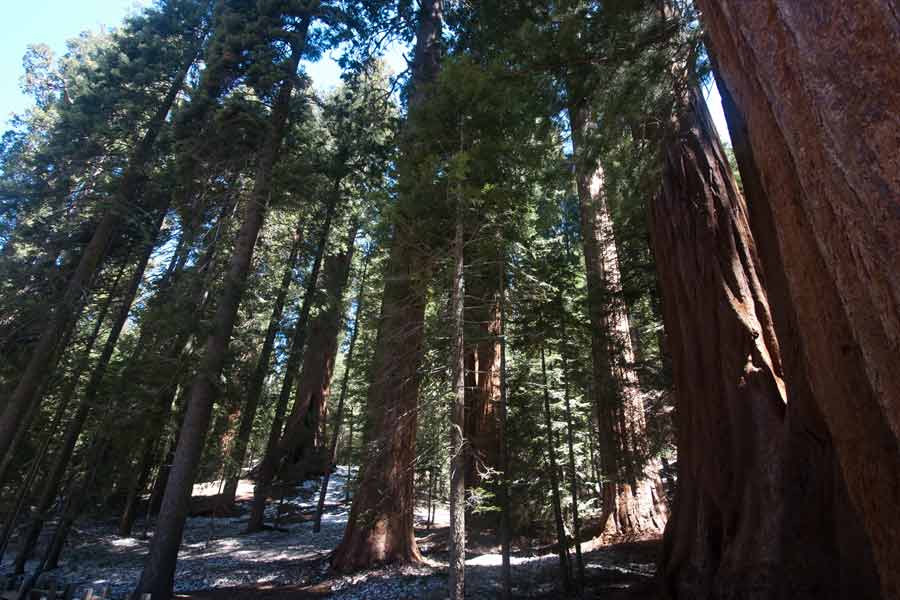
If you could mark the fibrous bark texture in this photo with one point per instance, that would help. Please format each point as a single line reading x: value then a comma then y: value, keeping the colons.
x: 819, y: 88
x: 722, y: 539
x: 632, y: 494
x: 825, y: 550
x: 380, y: 526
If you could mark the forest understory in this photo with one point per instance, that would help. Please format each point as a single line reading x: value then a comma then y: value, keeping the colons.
x: 287, y: 561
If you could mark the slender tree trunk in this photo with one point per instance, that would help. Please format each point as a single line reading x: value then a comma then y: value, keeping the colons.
x: 159, y: 570
x: 44, y: 356
x: 380, y: 526
x: 65, y: 399
x: 562, y: 542
x: 817, y: 85
x: 255, y: 388
x: 458, y: 420
x: 345, y: 384
x: 92, y: 390
x: 506, y: 505
x: 570, y: 440
x: 632, y: 500
x: 268, y: 467
x: 69, y: 392
x: 138, y: 484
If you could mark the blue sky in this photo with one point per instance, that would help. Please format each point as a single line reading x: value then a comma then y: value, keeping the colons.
x: 54, y: 21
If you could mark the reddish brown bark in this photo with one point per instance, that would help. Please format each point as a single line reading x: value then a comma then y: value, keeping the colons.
x: 380, y: 526
x: 302, y: 444
x: 483, y: 377
x: 632, y: 495
x: 722, y: 539
x: 825, y: 551
x: 819, y: 88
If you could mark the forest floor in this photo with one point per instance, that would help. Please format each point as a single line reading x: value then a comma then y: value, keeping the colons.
x: 218, y: 561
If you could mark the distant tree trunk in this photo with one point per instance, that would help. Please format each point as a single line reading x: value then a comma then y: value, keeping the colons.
x: 255, y: 388
x: 158, y: 575
x: 268, y: 466
x: 301, y: 446
x: 818, y: 88
x: 633, y: 502
x: 506, y: 505
x: 721, y: 540
x: 380, y: 526
x: 345, y: 384
x: 197, y: 302
x: 44, y: 356
x: 458, y: 460
x: 349, y: 460
x: 483, y: 387
x: 562, y: 542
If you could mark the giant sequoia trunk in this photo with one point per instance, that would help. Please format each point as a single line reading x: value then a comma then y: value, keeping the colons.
x: 159, y: 570
x: 302, y: 445
x: 722, y: 539
x: 483, y: 386
x: 380, y: 526
x: 819, y: 88
x: 632, y: 495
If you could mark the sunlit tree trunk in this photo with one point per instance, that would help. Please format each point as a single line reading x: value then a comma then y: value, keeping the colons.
x: 632, y: 496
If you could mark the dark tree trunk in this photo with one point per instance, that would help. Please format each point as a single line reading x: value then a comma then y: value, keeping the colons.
x: 88, y: 402
x: 65, y: 399
x: 44, y: 356
x: 159, y: 569
x: 570, y: 443
x: 721, y: 540
x: 380, y: 526
x: 632, y: 498
x: 818, y: 86
x: 268, y: 467
x: 254, y: 389
x: 562, y: 542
